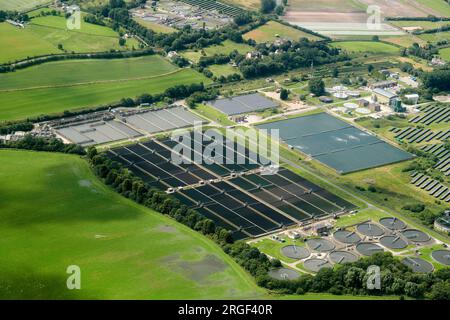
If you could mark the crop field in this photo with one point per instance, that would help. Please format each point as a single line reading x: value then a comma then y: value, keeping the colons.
x: 349, y: 17
x: 123, y: 250
x: 367, y: 46
x: 269, y: 32
x: 28, y: 95
x: 44, y: 34
x: 21, y: 5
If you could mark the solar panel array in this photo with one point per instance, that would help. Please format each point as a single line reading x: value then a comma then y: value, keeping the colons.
x: 433, y: 114
x: 336, y: 143
x: 234, y: 196
x: 243, y: 104
x: 443, y: 154
x: 434, y: 188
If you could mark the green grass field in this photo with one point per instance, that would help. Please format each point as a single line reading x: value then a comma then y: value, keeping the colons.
x: 213, y: 114
x: 269, y: 32
x: 445, y: 54
x: 223, y: 70
x: 85, y: 88
x: 367, y: 47
x: 435, y: 37
x: 72, y: 72
x: 155, y: 26
x: 437, y: 5
x: 426, y: 25
x: 226, y: 48
x: 55, y: 213
x: 21, y: 5
x: 44, y: 34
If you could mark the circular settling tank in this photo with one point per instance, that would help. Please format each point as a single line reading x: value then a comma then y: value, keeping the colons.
x: 370, y: 229
x: 418, y: 265
x: 351, y: 105
x: 284, y: 274
x: 320, y: 245
x: 393, y: 223
x: 415, y: 235
x: 368, y: 248
x: 393, y: 242
x: 441, y: 256
x: 348, y: 237
x: 295, y: 252
x: 316, y: 264
x: 342, y: 257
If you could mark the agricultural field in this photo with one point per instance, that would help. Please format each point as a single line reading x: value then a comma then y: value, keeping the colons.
x: 435, y: 37
x: 124, y: 250
x: 403, y: 41
x: 157, y: 27
x: 273, y: 30
x: 338, y: 18
x: 425, y: 25
x: 445, y: 54
x: 21, y: 5
x: 43, y: 35
x: 84, y: 88
x: 223, y: 70
x: 367, y: 47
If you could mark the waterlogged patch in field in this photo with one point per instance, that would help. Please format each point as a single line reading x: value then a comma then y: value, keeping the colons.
x: 118, y: 245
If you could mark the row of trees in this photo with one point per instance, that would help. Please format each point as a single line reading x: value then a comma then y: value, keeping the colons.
x: 7, y: 128
x: 30, y: 142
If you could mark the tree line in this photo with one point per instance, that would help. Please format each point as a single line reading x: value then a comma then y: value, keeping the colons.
x: 22, y: 64
x: 30, y: 142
